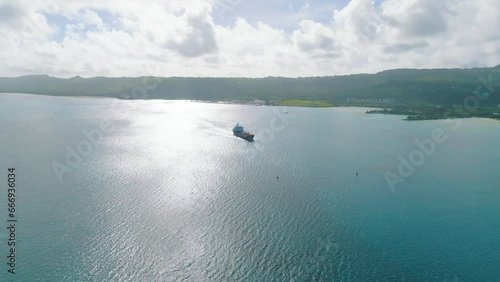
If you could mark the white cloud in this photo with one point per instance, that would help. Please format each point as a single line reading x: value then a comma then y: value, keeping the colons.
x: 313, y: 36
x: 177, y: 38
x: 196, y: 36
x: 89, y: 17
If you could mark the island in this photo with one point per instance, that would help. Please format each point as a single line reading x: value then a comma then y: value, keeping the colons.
x: 419, y: 94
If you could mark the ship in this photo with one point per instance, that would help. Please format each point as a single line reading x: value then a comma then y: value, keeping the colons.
x: 239, y: 131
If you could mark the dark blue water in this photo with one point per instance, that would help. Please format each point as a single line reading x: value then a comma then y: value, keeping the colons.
x: 168, y: 194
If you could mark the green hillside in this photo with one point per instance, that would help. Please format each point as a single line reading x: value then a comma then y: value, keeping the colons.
x: 391, y: 88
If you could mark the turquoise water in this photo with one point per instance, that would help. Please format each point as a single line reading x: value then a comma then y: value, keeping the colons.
x: 170, y: 195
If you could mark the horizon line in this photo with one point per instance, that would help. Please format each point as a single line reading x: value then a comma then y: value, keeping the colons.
x: 248, y: 77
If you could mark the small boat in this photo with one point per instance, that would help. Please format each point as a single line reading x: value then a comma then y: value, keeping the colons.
x: 239, y: 131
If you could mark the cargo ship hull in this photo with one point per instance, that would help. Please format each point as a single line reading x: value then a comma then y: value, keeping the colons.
x: 244, y: 135
x: 241, y: 133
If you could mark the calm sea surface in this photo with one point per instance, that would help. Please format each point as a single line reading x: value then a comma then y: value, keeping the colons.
x: 169, y: 194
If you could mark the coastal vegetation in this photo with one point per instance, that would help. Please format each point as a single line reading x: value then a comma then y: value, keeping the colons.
x: 304, y: 103
x: 440, y: 112
x: 419, y: 94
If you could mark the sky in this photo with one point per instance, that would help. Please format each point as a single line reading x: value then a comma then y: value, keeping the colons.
x: 243, y: 38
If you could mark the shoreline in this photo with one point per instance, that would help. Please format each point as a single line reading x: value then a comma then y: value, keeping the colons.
x: 62, y: 96
x: 370, y: 110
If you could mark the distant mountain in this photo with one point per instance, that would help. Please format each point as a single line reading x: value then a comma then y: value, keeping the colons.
x: 401, y: 86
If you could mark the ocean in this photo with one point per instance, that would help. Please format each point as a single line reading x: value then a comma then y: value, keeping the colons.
x: 153, y: 190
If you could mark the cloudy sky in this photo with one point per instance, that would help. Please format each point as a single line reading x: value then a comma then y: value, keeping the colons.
x: 251, y: 38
